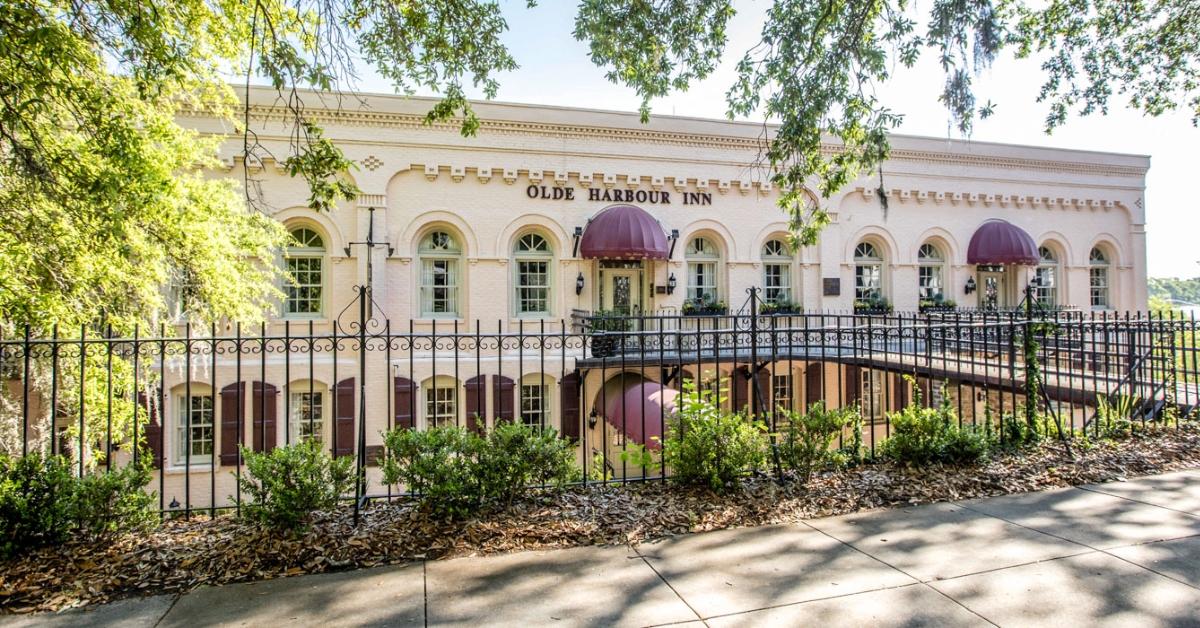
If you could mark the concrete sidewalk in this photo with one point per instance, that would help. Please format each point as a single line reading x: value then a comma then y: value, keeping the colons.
x: 1126, y: 553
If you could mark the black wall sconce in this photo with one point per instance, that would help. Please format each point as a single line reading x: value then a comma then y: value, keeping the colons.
x: 579, y: 284
x: 671, y: 284
x: 970, y: 287
x: 593, y: 417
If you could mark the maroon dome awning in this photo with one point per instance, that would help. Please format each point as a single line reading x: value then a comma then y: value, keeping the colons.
x: 640, y: 405
x: 624, y: 232
x: 1001, y: 242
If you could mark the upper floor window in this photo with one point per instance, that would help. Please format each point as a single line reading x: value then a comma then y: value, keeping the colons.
x: 533, y: 256
x: 931, y: 273
x: 305, y: 266
x: 194, y: 435
x: 702, y: 258
x: 1098, y: 271
x: 440, y: 256
x: 1046, y: 289
x: 868, y: 272
x: 777, y: 272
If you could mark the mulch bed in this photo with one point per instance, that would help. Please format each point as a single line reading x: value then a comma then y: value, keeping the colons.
x: 182, y: 555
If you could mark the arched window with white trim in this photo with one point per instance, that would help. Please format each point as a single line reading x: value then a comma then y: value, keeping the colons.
x: 1046, y: 289
x: 304, y: 264
x: 441, y: 256
x: 777, y: 272
x: 868, y: 272
x: 441, y: 401
x: 702, y: 261
x: 532, y: 256
x: 1098, y: 267
x: 931, y: 273
x: 308, y: 410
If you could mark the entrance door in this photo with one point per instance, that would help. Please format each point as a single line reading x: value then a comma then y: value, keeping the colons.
x: 623, y: 291
x: 993, y: 290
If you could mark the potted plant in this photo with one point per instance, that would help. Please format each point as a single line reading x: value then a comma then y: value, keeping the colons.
x: 704, y: 306
x: 875, y: 305
x: 779, y: 307
x: 604, y: 328
x: 937, y: 304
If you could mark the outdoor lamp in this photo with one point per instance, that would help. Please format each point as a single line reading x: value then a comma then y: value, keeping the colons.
x: 970, y: 287
x: 671, y: 284
x: 579, y: 284
x: 593, y: 417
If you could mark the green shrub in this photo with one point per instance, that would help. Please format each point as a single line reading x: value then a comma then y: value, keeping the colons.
x: 287, y: 485
x: 710, y: 447
x: 455, y: 471
x: 1114, y: 416
x: 808, y: 440
x: 114, y: 502
x: 36, y: 497
x: 922, y: 436
x: 515, y: 456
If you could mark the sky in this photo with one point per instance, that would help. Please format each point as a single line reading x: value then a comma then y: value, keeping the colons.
x: 555, y: 70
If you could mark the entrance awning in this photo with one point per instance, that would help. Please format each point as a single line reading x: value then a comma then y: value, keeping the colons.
x: 640, y: 410
x: 1001, y: 242
x: 624, y: 232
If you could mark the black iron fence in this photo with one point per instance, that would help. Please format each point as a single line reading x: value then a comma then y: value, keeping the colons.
x: 190, y: 398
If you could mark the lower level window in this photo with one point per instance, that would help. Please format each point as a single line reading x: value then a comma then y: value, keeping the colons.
x: 307, y: 413
x: 194, y: 433
x: 440, y: 405
x: 534, y: 405
x: 781, y: 390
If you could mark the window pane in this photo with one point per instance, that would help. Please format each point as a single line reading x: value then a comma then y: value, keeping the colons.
x: 534, y: 405
x: 304, y: 291
x: 194, y: 431
x: 307, y: 414
x: 533, y: 287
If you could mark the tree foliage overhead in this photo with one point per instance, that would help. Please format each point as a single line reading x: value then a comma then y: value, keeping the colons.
x: 103, y: 198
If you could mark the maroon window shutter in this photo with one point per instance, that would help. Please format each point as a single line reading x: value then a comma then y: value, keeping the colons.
x: 568, y: 400
x: 404, y: 393
x: 900, y: 392
x: 766, y: 393
x: 505, y: 403
x: 739, y: 388
x: 343, y: 423
x: 153, y: 429
x: 476, y: 402
x: 263, y: 416
x: 813, y: 380
x: 853, y: 385
x: 231, y: 416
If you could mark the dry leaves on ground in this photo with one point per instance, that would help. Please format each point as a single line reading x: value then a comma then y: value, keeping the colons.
x: 182, y: 555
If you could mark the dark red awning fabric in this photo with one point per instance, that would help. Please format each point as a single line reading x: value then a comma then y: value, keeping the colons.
x: 1001, y: 242
x: 624, y: 232
x: 641, y: 405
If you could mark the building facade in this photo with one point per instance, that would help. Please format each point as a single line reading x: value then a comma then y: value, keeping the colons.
x: 551, y: 215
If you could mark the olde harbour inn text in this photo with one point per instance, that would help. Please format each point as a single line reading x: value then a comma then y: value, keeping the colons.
x: 571, y: 268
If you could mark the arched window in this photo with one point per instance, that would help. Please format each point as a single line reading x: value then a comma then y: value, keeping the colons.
x: 532, y: 255
x: 441, y: 401
x: 1098, y: 270
x: 195, y: 428
x: 868, y: 273
x: 305, y: 265
x: 308, y: 408
x: 440, y: 254
x: 777, y: 272
x: 1047, y: 277
x: 536, y: 400
x: 931, y: 273
x: 702, y: 258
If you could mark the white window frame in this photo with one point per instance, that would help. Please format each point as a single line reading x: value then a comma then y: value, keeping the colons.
x: 703, y: 259
x: 307, y: 247
x: 535, y: 410
x: 868, y: 268
x: 1099, y: 280
x: 298, y: 421
x: 439, y: 247
x: 1047, y: 274
x: 777, y: 261
x: 532, y: 248
x: 781, y: 382
x: 183, y: 423
x: 441, y: 403
x: 931, y: 273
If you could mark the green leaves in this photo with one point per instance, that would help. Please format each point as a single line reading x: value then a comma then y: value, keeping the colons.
x: 287, y: 485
